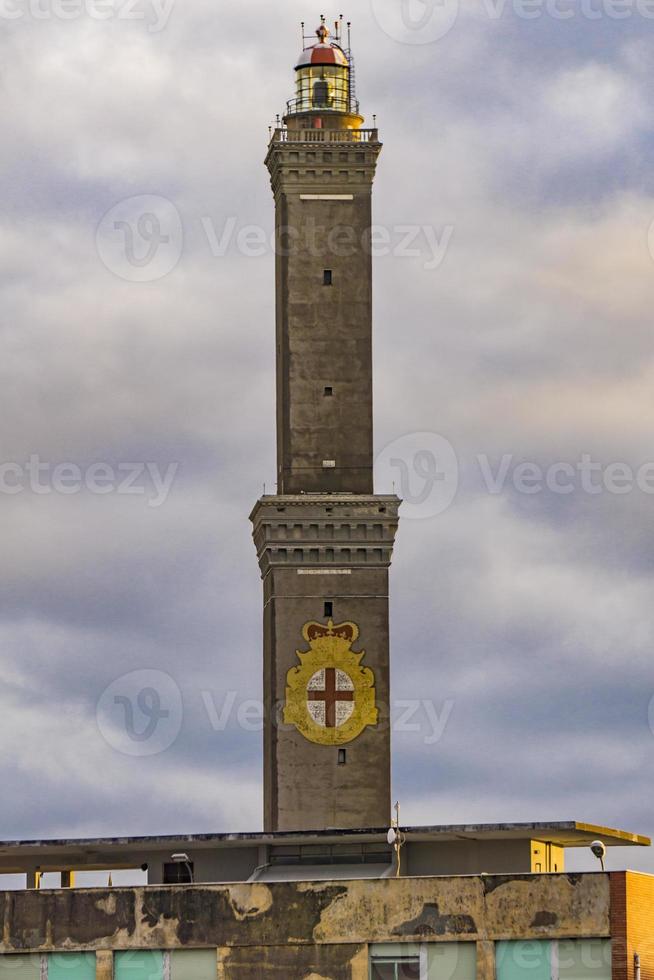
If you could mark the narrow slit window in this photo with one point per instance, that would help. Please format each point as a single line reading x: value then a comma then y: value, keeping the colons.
x: 327, y: 277
x: 329, y: 609
x: 342, y: 757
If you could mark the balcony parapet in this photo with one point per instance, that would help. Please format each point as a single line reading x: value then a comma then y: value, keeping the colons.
x: 285, y: 135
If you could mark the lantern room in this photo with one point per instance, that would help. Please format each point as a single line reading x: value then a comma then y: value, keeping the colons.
x: 324, y: 84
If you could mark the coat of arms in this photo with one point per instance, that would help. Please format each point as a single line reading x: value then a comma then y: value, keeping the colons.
x: 330, y: 697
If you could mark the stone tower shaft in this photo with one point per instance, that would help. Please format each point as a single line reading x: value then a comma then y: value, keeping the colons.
x: 324, y: 540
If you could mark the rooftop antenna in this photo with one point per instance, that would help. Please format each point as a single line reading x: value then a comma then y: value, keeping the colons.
x: 349, y: 33
x: 303, y: 34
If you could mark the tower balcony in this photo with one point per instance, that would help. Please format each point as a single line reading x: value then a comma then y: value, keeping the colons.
x: 286, y: 134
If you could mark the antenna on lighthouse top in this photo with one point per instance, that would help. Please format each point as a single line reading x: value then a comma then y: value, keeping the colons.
x: 303, y: 34
x: 349, y: 35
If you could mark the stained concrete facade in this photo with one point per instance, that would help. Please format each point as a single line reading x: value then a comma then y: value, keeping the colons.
x: 331, y: 930
x: 330, y: 921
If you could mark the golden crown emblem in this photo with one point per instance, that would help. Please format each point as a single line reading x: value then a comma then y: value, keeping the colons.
x: 330, y: 697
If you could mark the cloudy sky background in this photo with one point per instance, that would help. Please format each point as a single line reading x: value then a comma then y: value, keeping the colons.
x: 526, y: 619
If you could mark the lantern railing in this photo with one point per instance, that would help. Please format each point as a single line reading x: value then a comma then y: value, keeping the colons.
x: 286, y: 135
x: 333, y: 103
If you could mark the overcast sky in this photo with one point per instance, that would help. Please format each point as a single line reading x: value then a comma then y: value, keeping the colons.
x: 517, y: 150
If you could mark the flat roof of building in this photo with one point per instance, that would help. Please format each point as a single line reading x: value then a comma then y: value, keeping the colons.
x: 99, y: 851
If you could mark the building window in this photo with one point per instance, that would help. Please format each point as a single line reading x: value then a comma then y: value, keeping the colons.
x: 395, y: 968
x: 192, y: 964
x: 418, y: 961
x: 329, y: 610
x: 342, y: 757
x: 555, y: 959
x: 322, y: 854
x: 139, y: 964
x: 401, y: 961
x: 175, y: 873
x: 328, y: 391
x: 327, y: 277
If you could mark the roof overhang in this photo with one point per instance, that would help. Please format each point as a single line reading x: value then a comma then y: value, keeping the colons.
x: 128, y: 852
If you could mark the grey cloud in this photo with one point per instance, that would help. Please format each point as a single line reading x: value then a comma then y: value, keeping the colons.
x: 533, y: 337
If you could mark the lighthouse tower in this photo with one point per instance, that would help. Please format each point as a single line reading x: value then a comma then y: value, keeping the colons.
x: 324, y: 540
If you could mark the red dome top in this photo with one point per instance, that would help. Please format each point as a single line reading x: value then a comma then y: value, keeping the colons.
x: 323, y: 53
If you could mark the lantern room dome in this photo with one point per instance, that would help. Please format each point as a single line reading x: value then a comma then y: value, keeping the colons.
x: 324, y: 52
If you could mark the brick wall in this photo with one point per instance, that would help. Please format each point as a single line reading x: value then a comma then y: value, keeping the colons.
x: 632, y: 924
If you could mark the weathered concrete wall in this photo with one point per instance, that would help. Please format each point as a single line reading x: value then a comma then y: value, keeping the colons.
x: 307, y: 913
x: 283, y: 962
